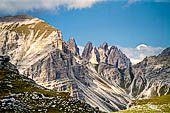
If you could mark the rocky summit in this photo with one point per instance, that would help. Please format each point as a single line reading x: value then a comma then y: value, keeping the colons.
x: 72, y: 43
x: 107, y: 55
x: 102, y: 77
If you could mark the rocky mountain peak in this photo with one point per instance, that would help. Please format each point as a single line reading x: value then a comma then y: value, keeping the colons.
x: 72, y: 43
x: 113, y: 48
x: 166, y: 51
x: 117, y: 58
x: 87, y: 50
x: 104, y: 46
x: 95, y: 56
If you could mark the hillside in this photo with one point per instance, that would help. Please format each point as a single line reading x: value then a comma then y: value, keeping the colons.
x: 154, y: 105
x: 20, y: 94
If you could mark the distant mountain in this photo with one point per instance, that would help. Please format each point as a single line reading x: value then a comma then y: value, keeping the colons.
x: 103, y: 54
x: 150, y: 79
x: 102, y: 77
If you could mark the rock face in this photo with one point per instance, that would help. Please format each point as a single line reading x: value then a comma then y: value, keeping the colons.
x: 103, y: 51
x: 20, y: 35
x: 103, y: 54
x: 117, y: 58
x: 87, y: 50
x: 151, y: 77
x: 103, y: 77
x: 72, y: 43
x: 95, y: 57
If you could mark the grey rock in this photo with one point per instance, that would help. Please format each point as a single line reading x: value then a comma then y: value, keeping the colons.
x: 87, y: 50
x: 72, y: 43
x: 103, y: 51
x: 166, y: 51
x: 95, y: 56
x: 104, y: 46
x: 117, y: 58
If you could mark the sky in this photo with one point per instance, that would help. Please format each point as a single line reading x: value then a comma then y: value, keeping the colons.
x: 124, y: 23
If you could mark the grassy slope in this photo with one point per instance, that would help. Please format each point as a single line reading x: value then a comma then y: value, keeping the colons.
x: 154, y: 105
x: 12, y: 83
x: 40, y: 27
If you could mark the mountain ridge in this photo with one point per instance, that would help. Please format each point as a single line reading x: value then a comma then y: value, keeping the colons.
x: 103, y: 77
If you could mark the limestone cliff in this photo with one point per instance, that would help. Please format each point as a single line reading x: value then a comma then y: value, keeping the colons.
x: 26, y: 39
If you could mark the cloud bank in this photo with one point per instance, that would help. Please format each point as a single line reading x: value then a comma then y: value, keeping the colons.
x: 15, y: 6
x: 140, y: 52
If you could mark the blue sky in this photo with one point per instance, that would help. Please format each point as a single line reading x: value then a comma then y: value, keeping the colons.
x: 124, y: 23
x: 115, y: 23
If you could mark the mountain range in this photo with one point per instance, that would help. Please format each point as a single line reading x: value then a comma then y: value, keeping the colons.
x: 103, y: 77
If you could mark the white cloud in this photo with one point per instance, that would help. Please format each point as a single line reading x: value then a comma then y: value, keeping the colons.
x: 140, y: 52
x: 15, y: 6
x: 134, y: 1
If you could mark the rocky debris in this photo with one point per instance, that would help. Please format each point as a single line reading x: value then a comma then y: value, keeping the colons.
x: 87, y: 50
x: 5, y: 64
x: 72, y: 43
x: 11, y: 104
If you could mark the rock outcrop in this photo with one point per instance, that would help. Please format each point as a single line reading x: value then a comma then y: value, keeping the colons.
x: 95, y: 57
x: 103, y: 51
x: 26, y: 40
x: 87, y: 50
x: 103, y: 54
x: 72, y: 43
x: 117, y: 58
